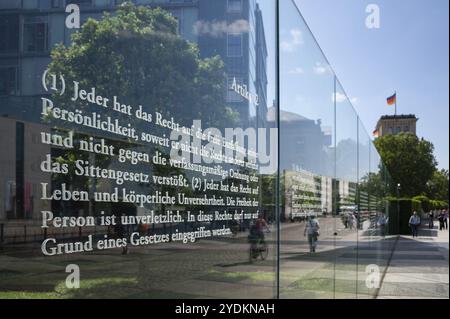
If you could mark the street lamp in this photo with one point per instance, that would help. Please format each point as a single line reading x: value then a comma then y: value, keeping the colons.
x: 398, y: 207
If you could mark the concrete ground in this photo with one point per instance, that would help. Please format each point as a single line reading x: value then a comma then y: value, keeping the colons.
x: 419, y: 267
x: 220, y: 268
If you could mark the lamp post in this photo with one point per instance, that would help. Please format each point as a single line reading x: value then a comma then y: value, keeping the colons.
x: 398, y: 207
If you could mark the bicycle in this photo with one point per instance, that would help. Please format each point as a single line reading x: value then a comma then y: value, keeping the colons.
x: 258, y: 248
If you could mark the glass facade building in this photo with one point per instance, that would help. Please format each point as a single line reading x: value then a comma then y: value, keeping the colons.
x: 181, y: 149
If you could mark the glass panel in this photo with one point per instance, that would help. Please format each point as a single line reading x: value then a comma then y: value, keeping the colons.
x: 367, y: 250
x: 306, y: 162
x: 346, y: 180
x: 383, y: 243
x: 139, y: 153
x: 143, y: 153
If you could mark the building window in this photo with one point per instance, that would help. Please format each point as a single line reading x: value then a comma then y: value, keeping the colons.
x: 406, y: 128
x: 235, y: 66
x: 8, y: 81
x: 9, y: 28
x: 35, y: 34
x: 234, y: 45
x: 56, y: 3
x: 234, y: 6
x: 84, y: 3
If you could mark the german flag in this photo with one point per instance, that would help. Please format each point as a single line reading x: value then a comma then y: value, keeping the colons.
x: 392, y: 99
x: 376, y: 133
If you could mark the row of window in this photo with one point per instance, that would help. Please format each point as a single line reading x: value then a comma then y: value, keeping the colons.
x: 35, y: 39
x: 233, y: 6
x: 397, y: 130
x: 35, y: 34
x: 8, y: 81
x: 47, y: 4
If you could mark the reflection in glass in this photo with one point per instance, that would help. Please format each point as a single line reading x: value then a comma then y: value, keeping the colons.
x: 112, y: 133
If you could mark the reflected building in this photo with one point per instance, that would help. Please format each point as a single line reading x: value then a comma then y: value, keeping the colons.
x: 309, y: 144
x: 21, y: 178
x: 232, y: 29
x: 306, y: 194
x: 29, y: 29
x: 306, y: 172
x: 310, y: 172
x: 396, y: 124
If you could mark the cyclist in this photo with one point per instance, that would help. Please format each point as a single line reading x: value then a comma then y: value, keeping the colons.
x: 257, y: 230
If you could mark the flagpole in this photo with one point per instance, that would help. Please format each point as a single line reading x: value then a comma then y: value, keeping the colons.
x: 396, y: 119
x: 396, y: 103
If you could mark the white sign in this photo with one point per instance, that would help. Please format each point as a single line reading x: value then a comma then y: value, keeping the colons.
x: 242, y: 90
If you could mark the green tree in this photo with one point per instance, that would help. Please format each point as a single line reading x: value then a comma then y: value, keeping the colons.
x: 437, y: 186
x: 374, y: 185
x: 138, y: 56
x: 409, y: 160
x: 425, y: 203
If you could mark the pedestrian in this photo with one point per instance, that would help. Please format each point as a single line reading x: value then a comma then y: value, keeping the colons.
x: 441, y: 221
x: 382, y: 221
x: 121, y: 232
x: 446, y: 219
x: 312, y: 230
x: 431, y: 220
x: 414, y: 223
x: 351, y: 221
x: 345, y: 220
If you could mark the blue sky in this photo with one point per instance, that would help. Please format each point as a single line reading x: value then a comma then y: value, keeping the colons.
x: 409, y: 54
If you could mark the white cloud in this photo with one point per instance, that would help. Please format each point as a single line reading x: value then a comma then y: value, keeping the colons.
x: 297, y: 71
x: 340, y: 98
x: 296, y: 39
x: 354, y: 100
x: 322, y: 68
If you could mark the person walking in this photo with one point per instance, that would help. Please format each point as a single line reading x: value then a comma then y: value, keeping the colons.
x: 414, y: 223
x: 121, y: 232
x: 345, y: 220
x: 312, y: 230
x: 381, y: 223
x: 441, y: 221
x: 351, y: 221
x: 445, y: 219
x: 431, y: 220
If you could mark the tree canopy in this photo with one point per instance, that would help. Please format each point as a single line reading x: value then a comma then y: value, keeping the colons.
x: 409, y: 160
x: 437, y: 186
x: 138, y: 55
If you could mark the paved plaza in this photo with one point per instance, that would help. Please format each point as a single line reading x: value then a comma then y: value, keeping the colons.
x: 219, y: 268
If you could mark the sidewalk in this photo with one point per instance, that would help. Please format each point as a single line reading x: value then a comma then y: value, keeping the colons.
x: 419, y: 267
